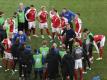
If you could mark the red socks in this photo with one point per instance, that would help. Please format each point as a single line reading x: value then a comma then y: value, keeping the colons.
x: 53, y: 35
x: 81, y: 74
x: 101, y: 52
x: 47, y: 30
x: 41, y: 31
x: 76, y: 74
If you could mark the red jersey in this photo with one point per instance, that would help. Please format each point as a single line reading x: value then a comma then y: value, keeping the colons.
x: 31, y: 15
x: 64, y: 21
x: 11, y: 23
x: 43, y: 16
x: 55, y: 21
x: 7, y: 43
x: 98, y: 37
x: 78, y: 24
x: 79, y: 41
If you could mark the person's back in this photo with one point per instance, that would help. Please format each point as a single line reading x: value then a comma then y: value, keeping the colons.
x: 2, y: 34
x: 68, y: 66
x: 53, y: 61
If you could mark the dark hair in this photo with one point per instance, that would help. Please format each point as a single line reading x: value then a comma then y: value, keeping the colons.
x: 65, y: 8
x: 55, y: 10
x: 85, y: 30
x: 32, y: 5
x: 1, y: 13
x: 78, y: 13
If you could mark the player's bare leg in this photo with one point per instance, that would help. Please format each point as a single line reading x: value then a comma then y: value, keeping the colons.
x: 34, y: 32
x: 47, y: 30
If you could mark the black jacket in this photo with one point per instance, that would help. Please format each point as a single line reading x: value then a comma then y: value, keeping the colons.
x: 68, y: 64
x: 15, y: 50
x: 53, y: 60
x: 3, y: 35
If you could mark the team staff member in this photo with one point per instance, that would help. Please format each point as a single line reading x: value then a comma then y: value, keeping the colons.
x: 38, y: 64
x: 3, y: 35
x: 2, y: 20
x: 89, y: 43
x: 21, y: 20
x: 70, y: 35
x: 15, y: 54
x: 21, y: 36
x: 68, y: 66
x: 69, y: 15
x: 52, y: 62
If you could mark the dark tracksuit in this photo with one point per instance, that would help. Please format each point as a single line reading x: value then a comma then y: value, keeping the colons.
x: 25, y: 63
x: 69, y: 34
x: 53, y: 59
x: 91, y: 45
x: 26, y: 22
x: 86, y: 57
x: 3, y: 35
x: 15, y: 53
x: 67, y: 66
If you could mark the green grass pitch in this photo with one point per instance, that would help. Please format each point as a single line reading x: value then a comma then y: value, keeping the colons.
x: 93, y: 15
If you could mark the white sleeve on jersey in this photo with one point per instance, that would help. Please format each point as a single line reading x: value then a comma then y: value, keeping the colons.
x: 27, y: 13
x: 80, y: 24
x: 96, y: 47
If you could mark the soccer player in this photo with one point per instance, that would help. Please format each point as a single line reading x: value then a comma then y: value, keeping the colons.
x: 9, y: 26
x: 78, y: 54
x: 15, y: 19
x: 2, y: 20
x: 55, y: 25
x: 78, y: 25
x: 31, y: 15
x: 69, y: 15
x: 8, y: 58
x: 42, y: 16
x: 100, y: 41
x: 64, y: 22
x: 51, y: 13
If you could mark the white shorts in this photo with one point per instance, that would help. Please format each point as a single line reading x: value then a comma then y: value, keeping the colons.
x: 8, y: 55
x: 78, y: 63
x: 31, y: 25
x: 56, y: 30
x: 43, y: 25
x: 102, y: 42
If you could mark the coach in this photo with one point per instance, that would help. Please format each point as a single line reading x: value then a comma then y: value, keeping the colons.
x: 69, y: 15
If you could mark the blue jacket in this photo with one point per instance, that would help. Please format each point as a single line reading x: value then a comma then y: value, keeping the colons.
x: 22, y: 38
x: 69, y: 15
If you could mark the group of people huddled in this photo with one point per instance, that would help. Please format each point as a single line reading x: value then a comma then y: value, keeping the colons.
x: 70, y: 52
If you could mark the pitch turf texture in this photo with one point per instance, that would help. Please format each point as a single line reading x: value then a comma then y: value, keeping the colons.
x: 93, y: 15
